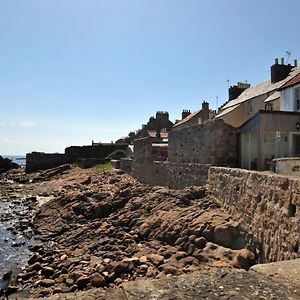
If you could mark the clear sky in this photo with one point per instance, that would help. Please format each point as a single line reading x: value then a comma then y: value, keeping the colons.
x: 73, y: 71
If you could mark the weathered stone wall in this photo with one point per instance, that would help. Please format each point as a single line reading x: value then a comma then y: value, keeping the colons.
x: 143, y: 149
x: 268, y: 205
x: 73, y: 153
x: 173, y: 175
x: 125, y: 164
x: 36, y: 161
x: 209, y: 143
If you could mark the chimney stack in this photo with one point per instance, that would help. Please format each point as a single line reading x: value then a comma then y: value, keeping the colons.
x: 205, y: 105
x: 235, y: 90
x: 185, y: 113
x: 280, y: 71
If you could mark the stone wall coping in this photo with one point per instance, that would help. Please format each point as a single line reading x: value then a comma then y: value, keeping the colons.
x: 259, y: 173
x: 286, y: 158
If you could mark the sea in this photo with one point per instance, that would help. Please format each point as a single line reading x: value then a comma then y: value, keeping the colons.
x: 18, y: 159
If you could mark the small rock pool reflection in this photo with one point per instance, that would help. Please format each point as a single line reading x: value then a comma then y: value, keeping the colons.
x: 14, y: 242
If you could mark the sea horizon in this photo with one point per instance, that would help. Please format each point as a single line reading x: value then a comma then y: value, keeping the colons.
x: 18, y: 159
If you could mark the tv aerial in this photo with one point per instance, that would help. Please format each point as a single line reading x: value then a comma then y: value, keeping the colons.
x: 288, y: 53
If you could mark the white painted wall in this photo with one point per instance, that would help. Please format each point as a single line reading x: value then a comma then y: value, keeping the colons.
x: 287, y: 100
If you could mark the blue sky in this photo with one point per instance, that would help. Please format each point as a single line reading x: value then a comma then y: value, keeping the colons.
x: 73, y: 71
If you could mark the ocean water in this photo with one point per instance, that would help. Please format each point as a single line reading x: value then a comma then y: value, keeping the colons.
x: 18, y: 159
x: 13, y: 246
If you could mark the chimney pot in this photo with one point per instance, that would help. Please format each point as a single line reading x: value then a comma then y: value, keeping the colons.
x: 282, y: 60
x: 276, y: 61
x: 295, y: 63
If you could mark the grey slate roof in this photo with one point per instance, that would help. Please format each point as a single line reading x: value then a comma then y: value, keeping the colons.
x: 258, y: 90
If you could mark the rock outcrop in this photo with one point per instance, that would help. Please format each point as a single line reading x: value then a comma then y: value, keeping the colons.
x: 6, y: 165
x: 107, y: 228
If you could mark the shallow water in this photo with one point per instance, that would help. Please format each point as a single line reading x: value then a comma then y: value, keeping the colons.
x: 18, y: 159
x: 13, y: 247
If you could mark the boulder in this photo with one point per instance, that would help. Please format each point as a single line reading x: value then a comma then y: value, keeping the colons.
x: 243, y: 259
x: 47, y: 271
x: 46, y: 282
x: 35, y: 267
x: 82, y: 281
x: 97, y: 280
x: 156, y: 259
x: 200, y: 242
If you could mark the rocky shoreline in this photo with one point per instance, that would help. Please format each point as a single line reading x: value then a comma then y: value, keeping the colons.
x: 103, y: 229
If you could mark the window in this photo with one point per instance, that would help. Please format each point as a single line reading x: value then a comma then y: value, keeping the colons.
x: 269, y: 106
x: 249, y: 107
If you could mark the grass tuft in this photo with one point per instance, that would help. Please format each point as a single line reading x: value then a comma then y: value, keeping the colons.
x: 103, y: 167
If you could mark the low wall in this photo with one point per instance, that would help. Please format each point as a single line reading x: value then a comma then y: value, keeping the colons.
x: 173, y: 175
x: 125, y: 164
x: 100, y: 151
x: 287, y: 166
x: 36, y: 161
x: 268, y: 206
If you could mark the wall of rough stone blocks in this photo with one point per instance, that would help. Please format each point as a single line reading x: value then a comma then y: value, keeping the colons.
x: 268, y: 206
x: 74, y: 153
x: 209, y: 143
x: 143, y: 149
x: 173, y: 175
x: 36, y: 161
x: 125, y: 164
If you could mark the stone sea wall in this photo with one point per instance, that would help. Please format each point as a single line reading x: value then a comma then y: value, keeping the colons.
x: 100, y: 151
x: 173, y: 175
x: 268, y: 206
x: 36, y: 161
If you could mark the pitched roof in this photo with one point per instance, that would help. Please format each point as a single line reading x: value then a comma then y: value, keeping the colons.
x: 295, y: 80
x: 260, y: 89
x: 186, y: 119
x: 162, y: 133
x: 226, y: 111
x: 273, y: 96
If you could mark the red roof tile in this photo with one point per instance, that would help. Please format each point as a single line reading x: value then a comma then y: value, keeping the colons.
x: 291, y: 82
